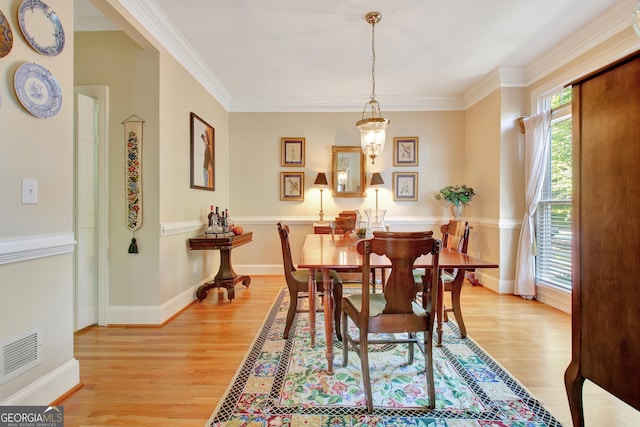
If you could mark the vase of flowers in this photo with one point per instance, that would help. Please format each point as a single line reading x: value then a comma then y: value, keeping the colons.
x: 457, y: 196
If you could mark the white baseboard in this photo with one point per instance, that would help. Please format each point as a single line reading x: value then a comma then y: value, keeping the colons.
x: 556, y: 298
x: 151, y: 314
x: 48, y: 388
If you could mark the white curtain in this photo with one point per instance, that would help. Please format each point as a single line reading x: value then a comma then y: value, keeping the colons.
x: 537, y: 142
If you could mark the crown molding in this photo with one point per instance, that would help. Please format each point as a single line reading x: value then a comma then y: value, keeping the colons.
x: 497, y: 78
x: 606, y: 25
x: 345, y: 104
x: 156, y: 22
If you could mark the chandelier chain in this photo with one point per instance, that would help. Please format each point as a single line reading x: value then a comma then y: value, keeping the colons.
x: 373, y: 60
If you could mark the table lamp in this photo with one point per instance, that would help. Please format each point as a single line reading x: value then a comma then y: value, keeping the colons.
x: 321, y: 180
x: 376, y: 179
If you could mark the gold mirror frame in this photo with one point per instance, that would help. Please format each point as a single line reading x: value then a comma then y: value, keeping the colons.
x: 356, y: 179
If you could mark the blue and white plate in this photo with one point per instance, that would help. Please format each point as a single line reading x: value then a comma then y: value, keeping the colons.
x: 41, y: 27
x: 38, y: 91
x: 6, y: 36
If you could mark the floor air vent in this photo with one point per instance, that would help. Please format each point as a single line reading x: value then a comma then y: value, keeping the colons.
x: 20, y: 354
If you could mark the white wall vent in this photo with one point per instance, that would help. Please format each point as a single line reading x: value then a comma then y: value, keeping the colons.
x: 20, y: 354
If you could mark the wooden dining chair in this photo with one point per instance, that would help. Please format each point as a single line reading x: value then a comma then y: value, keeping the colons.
x: 396, y: 311
x: 455, y: 235
x: 298, y: 284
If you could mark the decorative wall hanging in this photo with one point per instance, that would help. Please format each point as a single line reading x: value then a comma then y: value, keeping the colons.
x: 37, y: 90
x: 405, y: 151
x: 41, y: 27
x: 6, y: 36
x: 203, y: 154
x: 133, y: 176
x: 292, y: 151
x: 405, y: 186
x: 292, y: 186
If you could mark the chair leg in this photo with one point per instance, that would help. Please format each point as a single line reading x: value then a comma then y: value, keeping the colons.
x: 337, y: 311
x: 428, y: 360
x: 411, y: 348
x: 366, y: 377
x: 291, y: 313
x: 345, y: 341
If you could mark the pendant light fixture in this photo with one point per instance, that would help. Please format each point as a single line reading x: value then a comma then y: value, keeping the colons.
x: 373, y: 129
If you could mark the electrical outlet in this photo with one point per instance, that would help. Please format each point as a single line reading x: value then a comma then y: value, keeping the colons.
x: 29, y: 191
x: 195, y: 267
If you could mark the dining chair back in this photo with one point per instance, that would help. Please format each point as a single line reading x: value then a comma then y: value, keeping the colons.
x: 396, y: 310
x: 455, y: 235
x: 298, y: 284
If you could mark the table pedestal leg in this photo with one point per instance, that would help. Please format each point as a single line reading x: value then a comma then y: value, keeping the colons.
x: 226, y: 278
x: 328, y: 317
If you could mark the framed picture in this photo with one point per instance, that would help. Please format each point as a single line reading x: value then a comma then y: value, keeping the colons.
x: 292, y: 150
x: 405, y: 186
x: 292, y: 186
x: 203, y: 154
x: 405, y: 151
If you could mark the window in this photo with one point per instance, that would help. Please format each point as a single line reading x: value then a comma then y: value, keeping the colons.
x: 553, y: 215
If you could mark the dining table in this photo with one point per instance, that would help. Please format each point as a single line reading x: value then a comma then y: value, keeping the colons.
x: 325, y: 252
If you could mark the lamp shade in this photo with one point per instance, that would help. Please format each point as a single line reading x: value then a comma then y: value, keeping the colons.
x: 321, y: 179
x: 376, y: 179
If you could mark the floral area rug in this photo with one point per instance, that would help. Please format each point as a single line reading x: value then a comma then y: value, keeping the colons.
x: 284, y: 383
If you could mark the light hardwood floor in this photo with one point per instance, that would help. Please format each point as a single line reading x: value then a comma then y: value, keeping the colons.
x: 175, y: 375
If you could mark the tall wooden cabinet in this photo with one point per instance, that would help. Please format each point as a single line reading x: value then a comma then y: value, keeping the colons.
x: 606, y: 234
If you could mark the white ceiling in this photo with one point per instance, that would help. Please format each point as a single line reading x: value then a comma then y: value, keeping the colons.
x: 316, y: 55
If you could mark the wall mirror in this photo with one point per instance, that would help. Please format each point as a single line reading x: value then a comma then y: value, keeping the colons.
x: 348, y: 171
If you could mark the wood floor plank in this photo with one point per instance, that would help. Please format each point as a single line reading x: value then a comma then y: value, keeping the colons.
x: 175, y: 375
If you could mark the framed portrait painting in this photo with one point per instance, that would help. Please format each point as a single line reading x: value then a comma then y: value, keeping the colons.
x: 405, y: 186
x: 203, y: 171
x: 292, y: 186
x: 292, y: 151
x: 405, y: 151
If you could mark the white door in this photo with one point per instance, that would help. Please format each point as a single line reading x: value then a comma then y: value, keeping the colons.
x: 86, y: 283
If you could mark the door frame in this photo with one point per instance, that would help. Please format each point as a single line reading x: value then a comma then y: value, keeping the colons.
x: 101, y: 94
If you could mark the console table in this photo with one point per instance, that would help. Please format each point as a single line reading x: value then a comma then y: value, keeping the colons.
x: 226, y: 277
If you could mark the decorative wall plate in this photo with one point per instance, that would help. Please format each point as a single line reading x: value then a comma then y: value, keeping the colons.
x: 38, y: 91
x: 6, y: 36
x: 41, y: 27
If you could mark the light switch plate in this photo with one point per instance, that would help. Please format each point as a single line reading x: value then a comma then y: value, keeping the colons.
x: 29, y: 191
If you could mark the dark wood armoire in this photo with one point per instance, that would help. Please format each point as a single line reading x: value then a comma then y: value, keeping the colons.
x: 606, y: 234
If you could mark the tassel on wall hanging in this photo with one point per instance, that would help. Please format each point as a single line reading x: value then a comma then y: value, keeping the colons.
x: 133, y: 176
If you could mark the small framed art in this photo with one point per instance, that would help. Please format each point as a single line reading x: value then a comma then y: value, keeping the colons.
x: 292, y: 151
x: 292, y: 186
x: 203, y: 165
x: 405, y: 186
x: 405, y: 151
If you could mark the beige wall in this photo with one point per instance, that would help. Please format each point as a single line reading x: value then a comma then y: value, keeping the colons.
x: 131, y: 73
x: 180, y: 271
x: 255, y: 174
x: 37, y: 291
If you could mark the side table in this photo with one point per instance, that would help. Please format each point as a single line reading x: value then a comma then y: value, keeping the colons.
x: 226, y: 277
